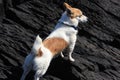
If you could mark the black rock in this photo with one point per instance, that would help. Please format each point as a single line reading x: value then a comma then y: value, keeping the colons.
x: 97, y: 51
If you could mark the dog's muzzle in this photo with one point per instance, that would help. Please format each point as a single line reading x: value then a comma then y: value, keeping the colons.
x: 82, y: 18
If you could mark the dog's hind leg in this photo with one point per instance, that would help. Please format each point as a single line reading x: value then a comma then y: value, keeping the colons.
x: 26, y: 71
x: 38, y: 75
x: 27, y: 65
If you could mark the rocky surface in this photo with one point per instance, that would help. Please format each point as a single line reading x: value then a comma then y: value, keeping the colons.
x: 97, y: 51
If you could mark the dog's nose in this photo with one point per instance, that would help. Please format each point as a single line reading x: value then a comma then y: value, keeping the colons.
x: 83, y: 18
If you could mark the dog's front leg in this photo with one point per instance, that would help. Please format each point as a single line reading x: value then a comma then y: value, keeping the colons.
x: 71, y: 48
x: 62, y: 55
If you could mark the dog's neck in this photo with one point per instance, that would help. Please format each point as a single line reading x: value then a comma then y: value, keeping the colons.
x: 65, y: 20
x: 67, y: 24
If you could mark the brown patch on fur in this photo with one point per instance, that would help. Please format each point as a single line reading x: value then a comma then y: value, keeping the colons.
x: 39, y: 53
x: 55, y: 45
x: 72, y: 12
x: 67, y: 5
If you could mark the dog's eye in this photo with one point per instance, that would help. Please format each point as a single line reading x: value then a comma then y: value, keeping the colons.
x: 72, y: 13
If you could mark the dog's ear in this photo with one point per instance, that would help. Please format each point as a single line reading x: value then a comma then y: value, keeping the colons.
x: 67, y: 6
x: 68, y: 11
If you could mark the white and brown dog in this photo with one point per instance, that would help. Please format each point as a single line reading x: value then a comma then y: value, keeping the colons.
x: 63, y: 36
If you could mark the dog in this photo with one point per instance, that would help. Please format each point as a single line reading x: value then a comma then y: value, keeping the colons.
x: 63, y: 36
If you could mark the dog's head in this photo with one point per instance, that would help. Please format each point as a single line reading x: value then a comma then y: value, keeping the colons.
x: 75, y: 13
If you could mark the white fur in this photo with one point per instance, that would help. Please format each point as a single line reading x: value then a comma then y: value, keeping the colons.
x: 28, y: 63
x: 83, y: 18
x: 41, y: 64
x: 36, y: 45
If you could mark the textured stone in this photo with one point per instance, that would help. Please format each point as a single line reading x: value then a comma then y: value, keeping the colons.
x: 97, y: 51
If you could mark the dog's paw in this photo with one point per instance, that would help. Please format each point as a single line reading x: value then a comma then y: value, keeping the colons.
x: 71, y: 59
x: 62, y: 55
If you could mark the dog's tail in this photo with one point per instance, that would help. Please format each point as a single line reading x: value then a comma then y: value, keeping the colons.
x: 37, y: 44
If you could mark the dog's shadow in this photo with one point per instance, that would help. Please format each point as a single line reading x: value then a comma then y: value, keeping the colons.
x: 61, y: 68
x: 15, y: 73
